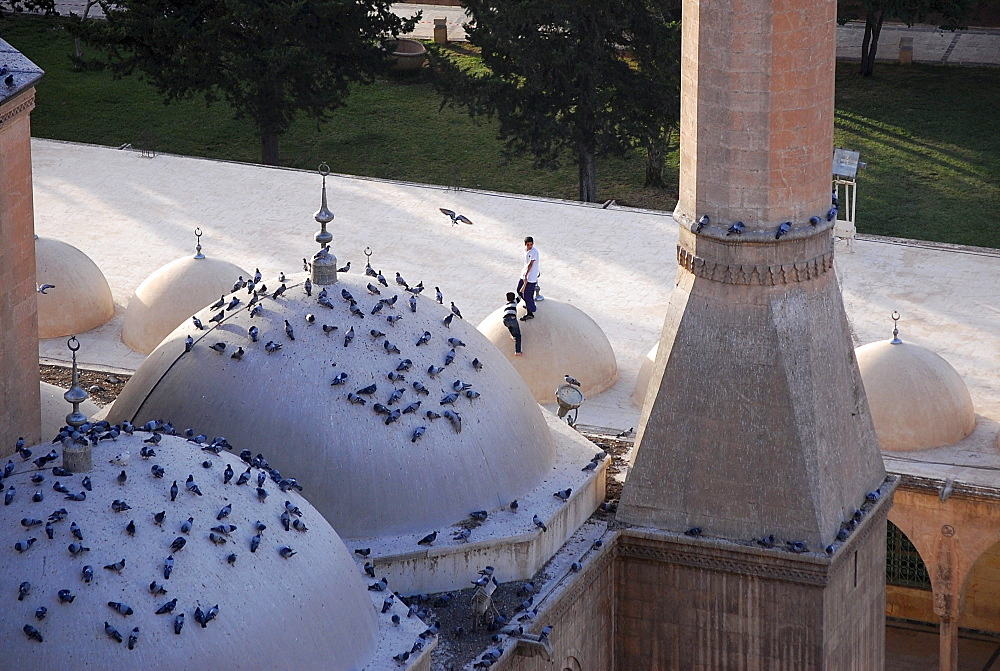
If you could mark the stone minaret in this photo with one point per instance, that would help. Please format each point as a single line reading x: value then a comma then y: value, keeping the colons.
x: 757, y: 423
x: 19, y: 398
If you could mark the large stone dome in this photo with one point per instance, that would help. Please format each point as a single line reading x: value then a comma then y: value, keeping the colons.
x: 562, y: 339
x: 367, y: 477
x: 171, y: 295
x: 81, y: 299
x: 918, y: 401
x: 308, y: 610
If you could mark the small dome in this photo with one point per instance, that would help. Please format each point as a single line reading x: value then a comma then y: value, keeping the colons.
x: 645, y: 375
x: 81, y: 299
x: 560, y: 340
x: 367, y: 477
x: 918, y: 401
x: 171, y: 295
x: 313, y: 600
x: 55, y: 408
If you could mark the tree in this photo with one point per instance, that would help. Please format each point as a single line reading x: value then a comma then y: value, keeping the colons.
x: 875, y: 12
x: 46, y: 7
x: 268, y: 59
x: 554, y: 74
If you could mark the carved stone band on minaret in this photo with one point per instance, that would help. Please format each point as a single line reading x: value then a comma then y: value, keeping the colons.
x: 23, y: 107
x: 764, y: 275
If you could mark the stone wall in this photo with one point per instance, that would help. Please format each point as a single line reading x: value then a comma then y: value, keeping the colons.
x: 19, y: 412
x: 704, y: 604
x: 583, y: 614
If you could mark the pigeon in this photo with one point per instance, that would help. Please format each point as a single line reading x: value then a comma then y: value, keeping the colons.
x: 289, y: 331
x: 308, y: 287
x: 428, y: 539
x: 736, y: 228
x: 118, y: 566
x: 400, y: 281
x: 395, y: 396
x: 254, y: 333
x: 693, y: 532
x: 418, y: 433
x: 349, y: 336
x: 449, y: 357
x: 563, y: 494
x: 277, y: 292
x: 178, y: 623
x: 188, y: 343
x: 447, y: 320
x: 355, y: 399
x: 186, y: 525
x: 74, y: 528
x: 219, y: 347
x: 40, y: 613
x: 76, y: 549
x: 389, y: 347
x: 479, y: 515
x: 537, y: 521
x: 271, y: 347
x: 424, y: 339
x: 369, y: 390
x: 455, y: 310
x: 375, y: 333
x: 261, y: 494
x: 392, y: 319
x: 454, y: 419
x: 286, y: 551
x: 157, y: 471
x: 23, y: 590
x: 420, y: 388
x: 112, y: 633
x: 192, y: 486
x: 413, y: 303
x: 831, y: 214
x: 431, y: 415
x: 377, y: 308
x: 572, y: 380
x: 238, y: 354
x: 412, y: 407
x: 455, y: 218
x: 340, y: 379
x: 393, y: 416
x: 373, y: 290
x: 477, y: 364
x: 381, y: 279
x: 197, y: 323
x: 133, y: 638
x: 232, y: 304
x: 327, y: 329
x: 22, y: 546
x: 346, y: 268
x: 219, y: 317
x: 120, y: 607
x: 782, y: 229
x: 702, y: 223
x: 356, y: 311
x: 396, y: 377
x: 449, y: 399
x: 814, y: 220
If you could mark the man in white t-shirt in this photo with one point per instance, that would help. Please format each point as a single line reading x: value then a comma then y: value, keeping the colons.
x: 529, y: 278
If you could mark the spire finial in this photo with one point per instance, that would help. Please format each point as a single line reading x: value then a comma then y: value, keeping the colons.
x: 895, y: 330
x: 197, y: 235
x: 76, y: 455
x: 324, y: 216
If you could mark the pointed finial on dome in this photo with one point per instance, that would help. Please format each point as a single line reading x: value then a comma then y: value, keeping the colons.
x: 324, y: 264
x: 895, y: 331
x: 76, y: 456
x: 324, y: 216
x: 197, y: 235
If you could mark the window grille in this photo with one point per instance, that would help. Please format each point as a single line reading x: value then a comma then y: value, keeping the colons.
x: 903, y: 565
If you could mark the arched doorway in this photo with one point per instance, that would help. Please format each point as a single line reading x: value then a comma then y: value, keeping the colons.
x: 908, y: 593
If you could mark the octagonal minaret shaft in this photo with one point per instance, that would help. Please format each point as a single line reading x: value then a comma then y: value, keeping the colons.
x: 758, y: 423
x: 757, y: 117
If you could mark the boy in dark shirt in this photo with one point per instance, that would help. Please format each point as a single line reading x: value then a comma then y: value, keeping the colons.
x: 510, y: 321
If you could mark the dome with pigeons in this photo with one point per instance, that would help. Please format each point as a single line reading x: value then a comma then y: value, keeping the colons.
x: 561, y: 340
x: 169, y: 553
x: 54, y: 408
x: 79, y: 296
x: 918, y: 400
x: 172, y: 294
x: 398, y: 415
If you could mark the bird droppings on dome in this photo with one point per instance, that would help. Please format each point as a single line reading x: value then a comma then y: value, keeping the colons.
x: 172, y: 293
x: 171, y: 553
x: 399, y: 415
x: 78, y: 298
x: 560, y: 339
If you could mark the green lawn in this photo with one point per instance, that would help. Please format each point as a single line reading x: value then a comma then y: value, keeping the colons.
x: 929, y: 135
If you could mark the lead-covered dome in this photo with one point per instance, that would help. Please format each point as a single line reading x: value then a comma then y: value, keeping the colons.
x: 561, y: 340
x: 918, y: 401
x: 171, y: 295
x: 103, y: 540
x: 81, y: 298
x: 346, y: 408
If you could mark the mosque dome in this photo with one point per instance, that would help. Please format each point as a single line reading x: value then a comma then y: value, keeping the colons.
x: 314, y: 404
x: 55, y: 409
x: 917, y: 400
x: 81, y: 298
x: 307, y: 610
x: 560, y: 340
x: 172, y: 294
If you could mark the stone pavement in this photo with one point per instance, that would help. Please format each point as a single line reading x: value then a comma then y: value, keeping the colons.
x: 975, y: 46
x: 132, y: 214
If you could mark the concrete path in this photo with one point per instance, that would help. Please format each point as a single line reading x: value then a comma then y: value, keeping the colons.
x: 975, y: 46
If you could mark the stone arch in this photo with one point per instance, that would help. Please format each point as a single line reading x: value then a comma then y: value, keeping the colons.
x: 909, y: 594
x: 981, y: 602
